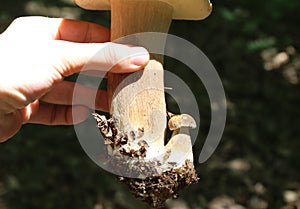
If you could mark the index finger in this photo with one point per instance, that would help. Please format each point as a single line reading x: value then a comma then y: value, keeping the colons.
x: 81, y: 31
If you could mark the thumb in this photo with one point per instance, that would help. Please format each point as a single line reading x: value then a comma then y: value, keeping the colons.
x: 104, y: 57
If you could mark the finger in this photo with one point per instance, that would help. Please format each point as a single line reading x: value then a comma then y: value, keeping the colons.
x: 95, y: 73
x: 9, y: 125
x: 81, y: 31
x: 74, y: 57
x: 57, y: 29
x: 50, y: 114
x: 63, y: 94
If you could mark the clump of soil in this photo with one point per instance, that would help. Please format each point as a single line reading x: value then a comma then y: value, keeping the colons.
x: 155, y: 190
x: 146, y: 179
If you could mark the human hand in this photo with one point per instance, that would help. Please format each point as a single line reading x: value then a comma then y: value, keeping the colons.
x: 37, y: 53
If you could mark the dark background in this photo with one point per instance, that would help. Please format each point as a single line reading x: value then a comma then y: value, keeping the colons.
x: 254, y: 46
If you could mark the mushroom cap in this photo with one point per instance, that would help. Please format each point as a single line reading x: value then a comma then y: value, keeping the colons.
x: 183, y: 9
x: 181, y: 121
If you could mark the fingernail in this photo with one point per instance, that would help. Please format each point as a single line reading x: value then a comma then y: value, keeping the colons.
x: 139, y: 56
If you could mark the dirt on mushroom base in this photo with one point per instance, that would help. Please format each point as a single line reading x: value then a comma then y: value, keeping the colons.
x: 149, y: 182
x: 155, y: 190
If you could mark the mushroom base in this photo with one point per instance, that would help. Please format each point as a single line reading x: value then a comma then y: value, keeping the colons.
x: 155, y: 190
x: 149, y: 180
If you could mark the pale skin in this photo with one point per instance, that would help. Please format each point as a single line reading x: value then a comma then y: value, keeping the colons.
x: 37, y: 53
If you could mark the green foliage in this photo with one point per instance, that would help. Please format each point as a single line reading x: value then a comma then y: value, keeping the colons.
x: 45, y: 167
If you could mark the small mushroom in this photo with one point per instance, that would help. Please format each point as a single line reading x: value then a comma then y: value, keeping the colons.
x: 180, y: 145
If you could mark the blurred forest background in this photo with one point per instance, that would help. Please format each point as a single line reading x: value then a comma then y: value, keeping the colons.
x: 255, y: 48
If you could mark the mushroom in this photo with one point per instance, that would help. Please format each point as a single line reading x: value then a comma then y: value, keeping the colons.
x: 137, y: 101
x: 180, y: 146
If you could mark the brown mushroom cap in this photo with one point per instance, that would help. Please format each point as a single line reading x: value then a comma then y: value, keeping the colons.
x: 181, y: 121
x: 183, y: 9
